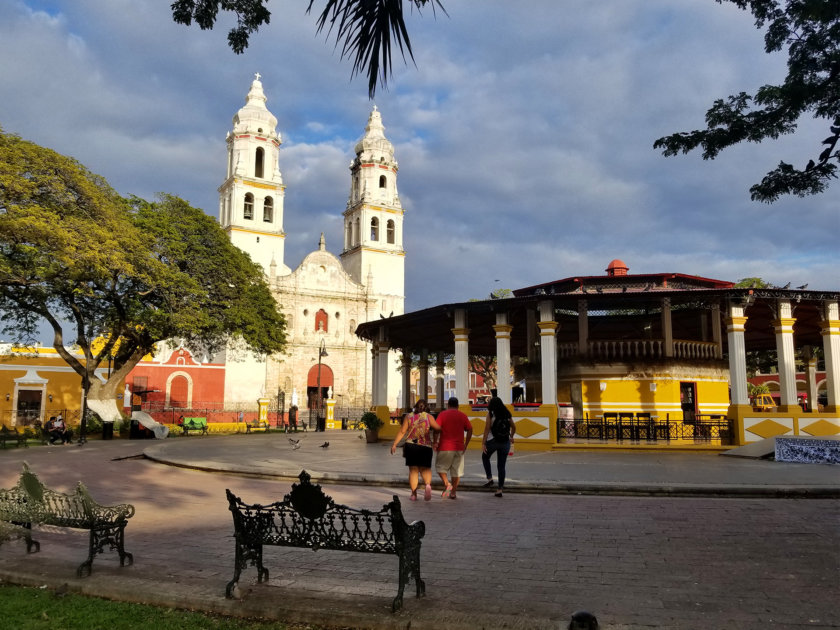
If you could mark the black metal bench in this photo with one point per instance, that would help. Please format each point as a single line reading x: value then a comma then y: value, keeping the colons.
x: 308, y: 518
x: 198, y: 425
x: 11, y: 435
x: 30, y: 503
x: 256, y: 425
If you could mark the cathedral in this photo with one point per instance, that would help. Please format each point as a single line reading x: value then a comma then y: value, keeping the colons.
x: 326, y: 296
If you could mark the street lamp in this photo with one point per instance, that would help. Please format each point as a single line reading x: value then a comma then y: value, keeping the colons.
x: 322, y: 352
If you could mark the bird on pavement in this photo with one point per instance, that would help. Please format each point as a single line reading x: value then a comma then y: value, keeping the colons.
x: 296, y: 446
x: 293, y: 442
x: 325, y: 445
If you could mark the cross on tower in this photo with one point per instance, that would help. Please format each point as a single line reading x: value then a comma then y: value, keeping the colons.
x: 257, y: 76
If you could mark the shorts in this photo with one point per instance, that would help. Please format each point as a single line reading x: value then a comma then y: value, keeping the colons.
x: 450, y: 462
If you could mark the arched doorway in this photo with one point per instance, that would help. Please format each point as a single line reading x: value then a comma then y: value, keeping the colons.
x: 315, y: 402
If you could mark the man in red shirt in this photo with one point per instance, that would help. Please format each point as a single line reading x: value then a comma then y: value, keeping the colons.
x: 449, y: 461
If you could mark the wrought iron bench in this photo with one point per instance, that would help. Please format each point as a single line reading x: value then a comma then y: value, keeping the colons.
x: 256, y: 425
x: 30, y: 503
x: 308, y: 518
x: 12, y: 435
x: 194, y: 424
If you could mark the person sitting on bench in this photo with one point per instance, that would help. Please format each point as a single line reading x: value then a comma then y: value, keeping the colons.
x: 59, y: 431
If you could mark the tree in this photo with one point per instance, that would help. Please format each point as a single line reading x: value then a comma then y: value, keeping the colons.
x: 810, y: 31
x: 118, y: 275
x: 365, y: 30
x: 752, y: 283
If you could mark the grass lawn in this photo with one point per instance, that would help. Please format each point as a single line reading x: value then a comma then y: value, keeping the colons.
x: 41, y: 609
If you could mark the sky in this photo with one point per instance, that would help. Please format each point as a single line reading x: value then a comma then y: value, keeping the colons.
x: 523, y: 131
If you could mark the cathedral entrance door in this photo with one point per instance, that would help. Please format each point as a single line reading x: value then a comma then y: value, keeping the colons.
x: 315, y: 401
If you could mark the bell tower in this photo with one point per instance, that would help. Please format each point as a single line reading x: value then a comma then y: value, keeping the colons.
x: 251, y: 197
x: 373, y: 221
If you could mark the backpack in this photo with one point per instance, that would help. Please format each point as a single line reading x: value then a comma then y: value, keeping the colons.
x: 501, y: 429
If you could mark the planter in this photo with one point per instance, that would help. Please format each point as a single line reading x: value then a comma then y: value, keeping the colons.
x: 371, y: 436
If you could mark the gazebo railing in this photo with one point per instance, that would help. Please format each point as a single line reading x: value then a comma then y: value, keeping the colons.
x: 618, y: 349
x: 719, y: 431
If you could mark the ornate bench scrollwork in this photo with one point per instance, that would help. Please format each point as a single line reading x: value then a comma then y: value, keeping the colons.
x: 308, y: 518
x: 30, y: 503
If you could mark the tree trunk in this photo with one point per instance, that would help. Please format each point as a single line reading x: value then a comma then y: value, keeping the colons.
x: 102, y: 399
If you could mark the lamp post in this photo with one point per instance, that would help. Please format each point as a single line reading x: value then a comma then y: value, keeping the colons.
x: 322, y: 352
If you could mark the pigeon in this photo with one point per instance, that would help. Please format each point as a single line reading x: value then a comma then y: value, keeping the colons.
x: 803, y: 287
x: 293, y: 442
x: 325, y: 445
x: 361, y: 437
x: 787, y: 286
x: 295, y: 447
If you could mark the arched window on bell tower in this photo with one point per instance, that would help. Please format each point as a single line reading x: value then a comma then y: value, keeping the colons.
x: 268, y: 210
x: 357, y: 233
x: 348, y: 235
x: 258, y: 162
x: 383, y: 181
x: 374, y: 229
x: 248, y: 208
x: 390, y: 232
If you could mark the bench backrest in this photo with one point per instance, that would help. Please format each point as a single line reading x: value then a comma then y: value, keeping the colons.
x: 31, y: 501
x: 307, y: 517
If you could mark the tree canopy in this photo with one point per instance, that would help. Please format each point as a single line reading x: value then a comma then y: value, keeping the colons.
x: 810, y: 32
x: 365, y: 30
x: 96, y: 266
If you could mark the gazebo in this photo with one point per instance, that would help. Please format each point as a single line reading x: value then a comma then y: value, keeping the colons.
x: 665, y: 353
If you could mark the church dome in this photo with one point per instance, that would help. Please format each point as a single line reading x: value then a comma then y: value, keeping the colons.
x: 254, y: 117
x: 617, y: 268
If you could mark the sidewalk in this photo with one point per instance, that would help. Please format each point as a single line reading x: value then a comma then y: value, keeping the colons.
x: 525, y: 561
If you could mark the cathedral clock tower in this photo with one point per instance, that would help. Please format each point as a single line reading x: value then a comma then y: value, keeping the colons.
x: 251, y: 197
x: 373, y: 221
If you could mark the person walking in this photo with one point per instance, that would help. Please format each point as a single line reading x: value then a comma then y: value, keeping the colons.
x: 451, y: 446
x: 499, y: 429
x: 417, y: 450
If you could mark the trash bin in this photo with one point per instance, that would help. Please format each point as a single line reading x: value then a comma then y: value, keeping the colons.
x: 322, y: 423
x: 107, y: 430
x: 344, y: 424
x: 134, y: 431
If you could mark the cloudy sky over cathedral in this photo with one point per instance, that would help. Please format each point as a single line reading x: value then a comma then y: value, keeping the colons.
x: 524, y: 133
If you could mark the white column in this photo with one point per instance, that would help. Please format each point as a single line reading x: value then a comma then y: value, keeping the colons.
x: 503, y: 330
x: 812, y: 380
x: 583, y: 328
x: 737, y: 355
x: 405, y: 373
x: 716, y: 332
x: 667, y: 328
x: 440, y: 366
x: 548, y: 350
x: 381, y: 370
x: 374, y: 375
x: 423, y: 383
x: 830, y: 330
x: 783, y: 327
x: 462, y: 358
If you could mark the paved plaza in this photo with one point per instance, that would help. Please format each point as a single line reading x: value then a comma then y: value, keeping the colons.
x: 643, y: 540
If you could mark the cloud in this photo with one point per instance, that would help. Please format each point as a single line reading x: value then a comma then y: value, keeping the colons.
x: 524, y: 133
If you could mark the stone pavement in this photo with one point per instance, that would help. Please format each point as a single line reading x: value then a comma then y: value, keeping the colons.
x: 724, y: 555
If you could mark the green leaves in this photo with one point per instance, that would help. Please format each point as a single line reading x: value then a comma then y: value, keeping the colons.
x: 366, y: 30
x: 810, y: 29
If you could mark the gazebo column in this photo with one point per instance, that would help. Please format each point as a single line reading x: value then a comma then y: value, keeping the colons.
x: 423, y: 383
x: 440, y: 367
x: 548, y: 351
x: 374, y: 374
x: 811, y: 372
x: 503, y: 330
x: 405, y: 375
x: 583, y: 328
x: 716, y: 331
x: 462, y: 357
x: 737, y: 356
x: 667, y: 328
x: 381, y: 371
x: 783, y: 327
x: 830, y: 330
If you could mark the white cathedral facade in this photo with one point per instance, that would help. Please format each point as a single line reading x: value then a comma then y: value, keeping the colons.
x: 326, y: 296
